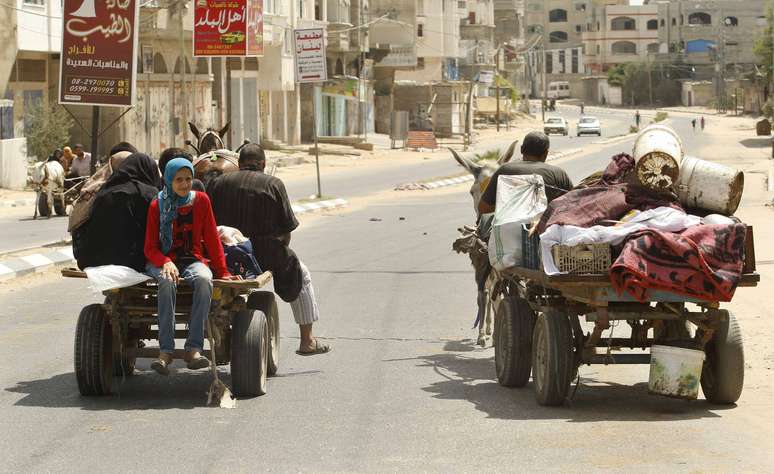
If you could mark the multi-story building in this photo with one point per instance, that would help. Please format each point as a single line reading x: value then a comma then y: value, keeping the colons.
x: 477, y: 39
x: 619, y: 34
x: 701, y: 34
x: 510, y: 36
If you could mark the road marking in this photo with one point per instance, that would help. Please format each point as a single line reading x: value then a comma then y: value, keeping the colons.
x: 304, y: 208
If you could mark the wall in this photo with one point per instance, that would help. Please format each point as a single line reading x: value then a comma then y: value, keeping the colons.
x: 13, y: 163
x: 383, y: 109
x: 39, y: 26
x: 7, y: 46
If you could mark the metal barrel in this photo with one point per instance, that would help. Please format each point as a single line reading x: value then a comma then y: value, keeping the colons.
x: 657, y: 153
x: 709, y: 186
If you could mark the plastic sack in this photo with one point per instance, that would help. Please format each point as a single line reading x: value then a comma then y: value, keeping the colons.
x: 520, y: 200
x: 108, y: 277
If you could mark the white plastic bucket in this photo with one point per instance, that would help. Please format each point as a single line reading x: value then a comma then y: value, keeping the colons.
x: 675, y: 372
x: 658, y: 152
x: 709, y: 186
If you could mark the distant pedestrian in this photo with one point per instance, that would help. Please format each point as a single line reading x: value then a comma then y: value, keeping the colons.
x: 581, y: 107
x: 637, y: 118
x: 702, y: 123
x: 693, y: 124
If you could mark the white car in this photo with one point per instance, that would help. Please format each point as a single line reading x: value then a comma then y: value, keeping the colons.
x: 589, y: 125
x: 556, y: 125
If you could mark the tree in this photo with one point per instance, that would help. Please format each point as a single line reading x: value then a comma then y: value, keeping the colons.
x: 764, y: 44
x: 48, y: 128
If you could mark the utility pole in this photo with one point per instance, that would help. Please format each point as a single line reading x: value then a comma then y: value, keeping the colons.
x: 497, y: 87
x: 650, y: 82
x: 543, y: 78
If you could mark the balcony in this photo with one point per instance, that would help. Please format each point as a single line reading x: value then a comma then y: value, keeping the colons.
x: 339, y: 37
x: 477, y: 32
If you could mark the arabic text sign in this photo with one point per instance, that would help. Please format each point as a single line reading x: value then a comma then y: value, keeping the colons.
x: 400, y: 56
x: 310, y: 55
x: 98, y: 64
x: 228, y: 28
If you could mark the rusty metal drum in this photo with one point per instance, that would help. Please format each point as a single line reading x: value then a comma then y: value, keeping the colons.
x: 709, y: 186
x: 657, y: 153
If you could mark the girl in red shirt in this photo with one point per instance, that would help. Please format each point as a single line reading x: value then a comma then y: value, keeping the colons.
x: 179, y: 222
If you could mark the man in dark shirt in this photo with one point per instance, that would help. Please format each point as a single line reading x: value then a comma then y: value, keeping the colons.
x: 534, y: 151
x: 258, y: 205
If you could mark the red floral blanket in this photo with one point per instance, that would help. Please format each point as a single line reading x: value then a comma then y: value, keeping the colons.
x: 703, y: 262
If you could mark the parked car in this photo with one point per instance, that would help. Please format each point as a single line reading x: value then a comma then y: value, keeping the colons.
x: 556, y: 125
x: 589, y: 125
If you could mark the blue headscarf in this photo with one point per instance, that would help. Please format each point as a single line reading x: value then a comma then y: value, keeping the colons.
x: 169, y: 201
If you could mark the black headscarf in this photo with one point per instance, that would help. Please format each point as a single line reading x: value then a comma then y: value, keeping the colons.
x: 138, y: 173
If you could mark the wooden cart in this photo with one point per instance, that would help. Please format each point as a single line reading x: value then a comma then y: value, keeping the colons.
x: 245, y: 329
x: 538, y: 331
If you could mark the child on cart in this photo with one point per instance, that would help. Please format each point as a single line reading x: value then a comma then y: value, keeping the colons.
x: 181, y: 230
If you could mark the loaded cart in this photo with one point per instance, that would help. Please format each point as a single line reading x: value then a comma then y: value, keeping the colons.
x: 538, y: 330
x: 244, y: 325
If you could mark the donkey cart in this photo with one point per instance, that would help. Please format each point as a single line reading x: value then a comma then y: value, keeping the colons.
x: 243, y: 329
x: 538, y: 331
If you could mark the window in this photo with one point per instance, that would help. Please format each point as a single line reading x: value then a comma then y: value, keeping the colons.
x: 652, y: 24
x: 577, y: 28
x: 31, y: 70
x: 623, y: 23
x: 562, y: 62
x: 699, y: 18
x: 624, y: 47
x: 599, y: 49
x: 731, y: 21
x: 575, y: 57
x: 532, y: 29
x: 663, y: 23
x: 674, y: 21
x: 581, y: 7
x: 558, y: 37
x: 549, y: 63
x: 653, y: 48
x: 39, y: 3
x: 420, y: 30
x: 557, y: 15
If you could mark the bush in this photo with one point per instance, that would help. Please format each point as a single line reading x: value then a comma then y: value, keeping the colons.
x: 660, y: 117
x: 633, y: 129
x: 48, y: 129
x: 491, y: 155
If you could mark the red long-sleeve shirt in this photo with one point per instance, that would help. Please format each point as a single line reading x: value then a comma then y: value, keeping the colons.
x: 204, y: 231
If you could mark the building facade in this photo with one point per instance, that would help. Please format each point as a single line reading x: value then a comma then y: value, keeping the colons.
x: 619, y: 34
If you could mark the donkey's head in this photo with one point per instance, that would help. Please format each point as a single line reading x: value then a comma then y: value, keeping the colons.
x: 210, y: 139
x: 482, y: 172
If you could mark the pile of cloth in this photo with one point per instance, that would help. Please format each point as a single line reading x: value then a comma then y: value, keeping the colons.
x: 658, y: 245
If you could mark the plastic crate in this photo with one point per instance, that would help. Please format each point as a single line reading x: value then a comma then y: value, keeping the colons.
x: 530, y: 249
x: 584, y: 258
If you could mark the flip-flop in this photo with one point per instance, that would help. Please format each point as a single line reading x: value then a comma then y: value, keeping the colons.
x: 319, y: 348
x: 198, y: 363
x: 160, y: 366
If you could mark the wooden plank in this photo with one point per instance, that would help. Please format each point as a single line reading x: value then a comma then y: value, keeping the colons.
x: 262, y: 280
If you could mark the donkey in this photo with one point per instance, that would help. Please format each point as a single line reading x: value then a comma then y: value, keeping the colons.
x: 479, y: 258
x: 48, y: 179
x: 213, y: 158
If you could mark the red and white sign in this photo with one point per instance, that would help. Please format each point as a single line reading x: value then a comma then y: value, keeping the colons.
x: 228, y: 28
x: 310, y: 55
x: 98, y: 64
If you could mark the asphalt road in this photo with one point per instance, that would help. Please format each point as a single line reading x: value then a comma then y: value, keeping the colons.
x: 405, y: 388
x: 22, y: 232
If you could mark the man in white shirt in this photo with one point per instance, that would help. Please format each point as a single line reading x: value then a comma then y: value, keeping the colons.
x: 81, y: 165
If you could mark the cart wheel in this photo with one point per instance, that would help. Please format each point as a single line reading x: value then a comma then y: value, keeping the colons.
x: 249, y: 350
x: 552, y: 356
x: 264, y: 301
x: 59, y: 206
x: 43, y: 209
x: 722, y: 377
x: 123, y: 364
x: 513, y: 348
x: 93, y: 351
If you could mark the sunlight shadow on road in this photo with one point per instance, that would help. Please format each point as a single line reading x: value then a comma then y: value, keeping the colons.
x: 470, y: 378
x: 764, y: 142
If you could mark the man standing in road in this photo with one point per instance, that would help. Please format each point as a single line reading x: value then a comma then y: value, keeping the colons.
x: 637, y: 119
x: 702, y: 123
x: 258, y: 205
x: 693, y: 124
x: 81, y: 164
x: 534, y: 151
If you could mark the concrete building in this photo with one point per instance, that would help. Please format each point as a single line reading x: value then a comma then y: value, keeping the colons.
x: 510, y: 34
x: 619, y: 34
x: 477, y: 40
x: 700, y: 34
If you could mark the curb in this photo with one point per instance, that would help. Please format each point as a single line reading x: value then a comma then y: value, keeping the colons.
x: 440, y: 183
x: 318, y: 206
x: 36, y: 262
x: 564, y: 154
x: 18, y: 203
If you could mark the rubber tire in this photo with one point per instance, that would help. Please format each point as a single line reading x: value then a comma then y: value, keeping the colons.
x: 513, y: 346
x: 552, y: 356
x: 43, y: 210
x: 93, y: 351
x: 249, y: 348
x: 59, y: 206
x: 722, y: 376
x: 266, y: 302
x: 123, y: 364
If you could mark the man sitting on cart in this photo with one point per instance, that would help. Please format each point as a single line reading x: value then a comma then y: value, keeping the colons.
x: 534, y: 151
x: 258, y: 205
x: 181, y: 227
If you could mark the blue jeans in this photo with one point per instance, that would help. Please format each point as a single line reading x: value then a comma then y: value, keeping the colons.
x: 199, y: 277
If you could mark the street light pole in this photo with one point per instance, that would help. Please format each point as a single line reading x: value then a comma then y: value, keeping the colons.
x: 497, y: 87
